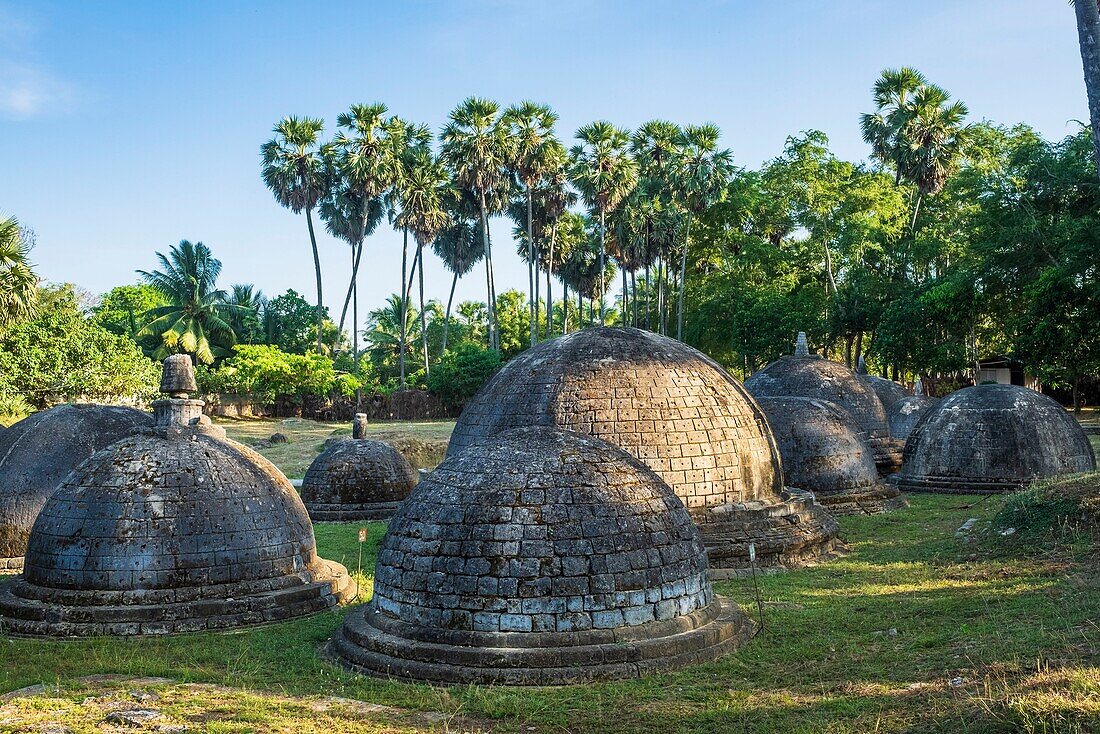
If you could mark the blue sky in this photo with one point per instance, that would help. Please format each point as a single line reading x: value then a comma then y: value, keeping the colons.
x: 125, y: 127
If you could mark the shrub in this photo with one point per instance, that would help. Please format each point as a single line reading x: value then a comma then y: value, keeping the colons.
x: 264, y: 371
x: 461, y: 373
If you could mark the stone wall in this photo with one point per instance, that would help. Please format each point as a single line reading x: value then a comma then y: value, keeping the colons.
x: 407, y: 405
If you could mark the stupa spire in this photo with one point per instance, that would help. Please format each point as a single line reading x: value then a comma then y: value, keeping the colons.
x: 801, y: 347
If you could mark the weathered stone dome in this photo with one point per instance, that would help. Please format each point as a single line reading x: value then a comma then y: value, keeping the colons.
x: 170, y: 529
x: 679, y: 412
x: 812, y: 376
x: 540, y: 557
x: 888, y: 391
x: 905, y: 413
x: 992, y: 438
x: 38, y: 452
x: 824, y: 451
x: 356, y: 479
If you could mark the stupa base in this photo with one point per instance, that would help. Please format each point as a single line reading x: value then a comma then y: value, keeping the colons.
x: 863, y: 501
x: 365, y: 512
x: 888, y: 454
x: 790, y: 534
x: 27, y: 609
x: 957, y: 485
x: 378, y: 644
x: 11, y: 565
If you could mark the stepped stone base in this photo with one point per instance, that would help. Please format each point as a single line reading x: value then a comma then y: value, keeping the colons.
x: 957, y: 485
x: 11, y: 565
x: 888, y: 454
x: 863, y: 501
x: 319, y: 512
x: 789, y: 534
x: 377, y: 644
x: 27, y: 609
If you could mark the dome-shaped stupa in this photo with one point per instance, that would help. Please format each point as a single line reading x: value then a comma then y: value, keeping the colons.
x: 679, y: 412
x: 904, y: 414
x: 172, y: 529
x: 888, y: 391
x: 824, y: 451
x: 356, y: 479
x: 38, y: 452
x: 806, y: 375
x: 992, y: 438
x: 541, y: 557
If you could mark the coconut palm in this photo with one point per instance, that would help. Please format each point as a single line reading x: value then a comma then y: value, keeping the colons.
x: 198, y: 315
x: 531, y: 129
x: 604, y: 172
x: 18, y: 283
x: 477, y: 148
x: 702, y: 174
x: 421, y: 191
x: 390, y: 331
x: 460, y: 246
x: 244, y: 319
x: 294, y: 171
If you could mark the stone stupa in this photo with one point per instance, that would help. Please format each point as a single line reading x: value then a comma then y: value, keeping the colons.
x: 539, y: 557
x: 357, y: 479
x: 992, y: 438
x: 172, y: 529
x: 888, y: 391
x: 679, y: 412
x: 806, y: 375
x: 905, y: 413
x: 824, y: 451
x: 38, y: 452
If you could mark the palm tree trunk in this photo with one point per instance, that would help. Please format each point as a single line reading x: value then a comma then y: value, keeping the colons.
x: 423, y: 316
x: 531, y: 279
x: 661, y: 295
x: 447, y: 318
x: 648, y: 296
x: 535, y: 323
x: 916, y: 208
x: 404, y: 305
x: 317, y: 272
x: 634, y: 296
x: 564, y: 307
x: 603, y: 265
x: 549, y: 292
x: 683, y: 272
x: 580, y: 309
x: 626, y: 304
x: 1088, y: 34
x: 355, y: 305
x: 492, y: 306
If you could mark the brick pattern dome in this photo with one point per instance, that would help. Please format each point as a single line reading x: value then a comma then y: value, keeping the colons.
x: 993, y: 438
x: 815, y: 377
x: 38, y: 452
x: 888, y: 391
x: 905, y: 413
x: 540, y: 557
x: 171, y: 529
x: 825, y: 452
x: 356, y: 479
x: 679, y: 412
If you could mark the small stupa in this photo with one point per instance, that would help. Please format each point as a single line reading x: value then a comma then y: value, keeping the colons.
x: 357, y: 479
x: 888, y: 391
x: 539, y: 557
x: 171, y: 529
x: 905, y: 413
x: 805, y: 375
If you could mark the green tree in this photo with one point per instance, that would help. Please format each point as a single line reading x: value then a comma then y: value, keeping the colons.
x: 122, y: 309
x: 477, y: 148
x: 605, y: 173
x: 18, y: 283
x: 288, y: 323
x: 460, y: 247
x: 247, y: 301
x: 196, y: 319
x: 294, y: 170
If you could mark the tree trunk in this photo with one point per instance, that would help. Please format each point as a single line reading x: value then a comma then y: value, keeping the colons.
x: 404, y: 305
x: 1088, y: 34
x: 488, y: 271
x: 356, y: 253
x: 564, y: 308
x: 355, y: 306
x: 648, y: 298
x: 683, y: 272
x: 916, y: 209
x: 603, y: 264
x: 317, y: 272
x: 549, y: 292
x: 661, y: 295
x: 531, y: 279
x: 423, y: 316
x: 634, y: 297
x: 622, y: 317
x: 447, y: 318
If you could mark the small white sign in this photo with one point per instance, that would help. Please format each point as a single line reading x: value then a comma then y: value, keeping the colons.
x: 362, y: 535
x: 752, y: 552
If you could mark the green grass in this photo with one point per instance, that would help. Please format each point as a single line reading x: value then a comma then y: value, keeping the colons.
x: 1017, y: 634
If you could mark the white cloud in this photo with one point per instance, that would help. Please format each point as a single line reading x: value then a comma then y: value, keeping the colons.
x: 28, y: 91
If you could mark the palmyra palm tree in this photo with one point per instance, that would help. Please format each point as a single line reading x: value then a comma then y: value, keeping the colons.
x: 460, y: 246
x: 198, y: 315
x: 883, y: 129
x: 1088, y: 36
x: 365, y: 155
x: 18, y: 283
x: 533, y: 146
x: 294, y: 171
x: 604, y: 173
x: 702, y: 174
x: 477, y: 148
x: 422, y: 189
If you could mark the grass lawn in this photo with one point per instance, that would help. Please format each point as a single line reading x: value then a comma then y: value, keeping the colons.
x: 916, y: 630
